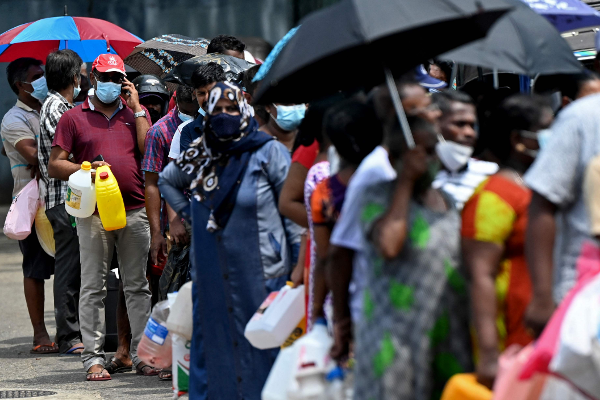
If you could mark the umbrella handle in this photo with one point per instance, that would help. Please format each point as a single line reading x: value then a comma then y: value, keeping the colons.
x: 107, y: 42
x: 389, y: 79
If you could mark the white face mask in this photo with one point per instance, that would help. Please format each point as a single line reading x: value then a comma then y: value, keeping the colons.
x: 334, y: 160
x: 453, y: 155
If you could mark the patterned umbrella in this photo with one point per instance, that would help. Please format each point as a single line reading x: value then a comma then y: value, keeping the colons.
x: 88, y: 37
x: 158, y: 56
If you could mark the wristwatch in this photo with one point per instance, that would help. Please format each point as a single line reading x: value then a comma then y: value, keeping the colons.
x: 139, y: 114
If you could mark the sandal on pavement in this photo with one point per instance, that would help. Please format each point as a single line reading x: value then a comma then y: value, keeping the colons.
x: 146, y: 370
x: 44, y: 349
x: 116, y: 366
x: 98, y: 376
x: 165, y: 375
x: 73, y: 351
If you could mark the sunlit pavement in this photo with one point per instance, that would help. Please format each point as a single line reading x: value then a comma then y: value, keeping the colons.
x: 63, y: 376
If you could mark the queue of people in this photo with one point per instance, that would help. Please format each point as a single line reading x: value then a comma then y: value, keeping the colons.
x: 426, y: 262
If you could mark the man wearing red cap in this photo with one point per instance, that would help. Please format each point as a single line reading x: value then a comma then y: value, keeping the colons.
x: 114, y: 127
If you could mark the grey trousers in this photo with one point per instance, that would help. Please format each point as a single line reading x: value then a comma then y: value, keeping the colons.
x: 96, y: 246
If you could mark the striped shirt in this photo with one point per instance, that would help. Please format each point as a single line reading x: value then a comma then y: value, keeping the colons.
x: 54, y: 107
x: 460, y: 185
x: 19, y: 123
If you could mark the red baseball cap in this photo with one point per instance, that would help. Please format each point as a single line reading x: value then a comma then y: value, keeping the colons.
x: 109, y: 63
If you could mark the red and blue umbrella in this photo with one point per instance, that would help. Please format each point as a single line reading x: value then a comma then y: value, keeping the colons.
x: 88, y: 37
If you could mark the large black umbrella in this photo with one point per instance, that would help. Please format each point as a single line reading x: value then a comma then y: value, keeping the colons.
x: 346, y: 46
x: 182, y: 73
x: 522, y: 42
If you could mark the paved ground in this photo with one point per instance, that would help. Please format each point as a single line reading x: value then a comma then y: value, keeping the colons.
x: 65, y: 376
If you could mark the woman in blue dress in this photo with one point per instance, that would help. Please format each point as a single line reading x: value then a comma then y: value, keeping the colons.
x: 242, y: 248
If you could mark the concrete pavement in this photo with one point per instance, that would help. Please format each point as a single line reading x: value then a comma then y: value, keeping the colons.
x: 63, y: 376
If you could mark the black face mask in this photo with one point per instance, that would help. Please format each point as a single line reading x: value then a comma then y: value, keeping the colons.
x: 154, y: 115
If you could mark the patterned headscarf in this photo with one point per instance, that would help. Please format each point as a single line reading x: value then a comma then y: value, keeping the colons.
x: 231, y: 92
x: 218, y: 165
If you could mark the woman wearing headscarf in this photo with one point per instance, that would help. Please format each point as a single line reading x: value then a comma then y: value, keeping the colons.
x: 242, y: 248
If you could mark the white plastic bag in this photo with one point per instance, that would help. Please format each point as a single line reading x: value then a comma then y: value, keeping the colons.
x: 578, y: 343
x: 22, y: 212
x: 181, y: 365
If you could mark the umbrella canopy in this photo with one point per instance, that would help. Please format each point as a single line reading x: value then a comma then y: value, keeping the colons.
x: 522, y: 42
x: 88, y: 37
x: 566, y: 15
x: 159, y: 55
x: 347, y: 45
x: 233, y: 67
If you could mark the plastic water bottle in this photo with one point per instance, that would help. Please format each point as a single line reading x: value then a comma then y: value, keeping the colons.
x: 110, y: 201
x: 312, y: 363
x: 81, y: 193
x: 180, y: 317
x: 155, y: 347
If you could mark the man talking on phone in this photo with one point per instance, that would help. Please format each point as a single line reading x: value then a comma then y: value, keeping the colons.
x: 114, y: 124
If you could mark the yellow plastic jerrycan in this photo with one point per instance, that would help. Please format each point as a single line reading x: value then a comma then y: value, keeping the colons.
x: 465, y: 387
x: 109, y: 199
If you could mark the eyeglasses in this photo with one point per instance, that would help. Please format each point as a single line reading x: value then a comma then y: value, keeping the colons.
x: 116, y: 78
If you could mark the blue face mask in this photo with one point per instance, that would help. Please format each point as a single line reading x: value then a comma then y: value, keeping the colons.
x: 107, y: 92
x: 201, y: 111
x: 290, y: 117
x: 225, y: 126
x: 184, y: 117
x: 76, y: 91
x: 543, y: 136
x: 40, y: 89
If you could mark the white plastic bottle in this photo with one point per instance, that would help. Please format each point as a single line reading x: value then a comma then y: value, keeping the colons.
x: 180, y: 319
x: 312, y: 364
x: 155, y: 347
x: 81, y: 193
x: 335, y: 385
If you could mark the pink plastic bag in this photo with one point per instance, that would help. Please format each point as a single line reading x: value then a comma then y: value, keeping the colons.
x: 22, y: 212
x: 588, y: 265
x: 510, y: 365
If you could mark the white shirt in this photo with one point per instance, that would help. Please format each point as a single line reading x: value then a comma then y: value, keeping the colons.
x: 175, y: 146
x: 460, y: 185
x: 375, y: 168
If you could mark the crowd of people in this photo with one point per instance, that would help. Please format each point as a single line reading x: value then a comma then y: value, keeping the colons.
x: 426, y: 261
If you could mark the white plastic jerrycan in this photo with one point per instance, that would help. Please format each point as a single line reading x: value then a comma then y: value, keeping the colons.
x: 276, y: 318
x: 81, y: 193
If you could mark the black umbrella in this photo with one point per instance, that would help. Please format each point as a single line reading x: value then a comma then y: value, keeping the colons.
x: 347, y: 45
x: 522, y: 42
x: 233, y: 67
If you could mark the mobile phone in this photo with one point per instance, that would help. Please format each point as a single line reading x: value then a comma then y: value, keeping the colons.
x: 98, y: 158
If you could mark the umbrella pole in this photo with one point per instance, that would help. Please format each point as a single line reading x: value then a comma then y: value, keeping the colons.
x: 389, y: 78
x: 496, y: 80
